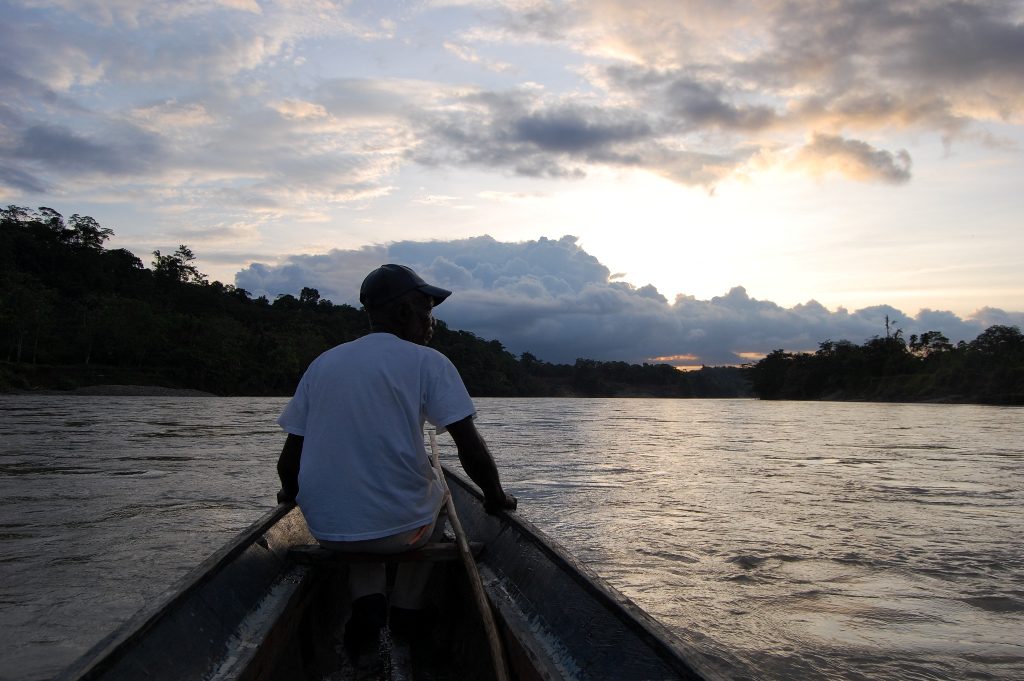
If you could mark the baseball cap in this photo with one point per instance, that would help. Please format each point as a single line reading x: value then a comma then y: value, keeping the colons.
x: 388, y: 282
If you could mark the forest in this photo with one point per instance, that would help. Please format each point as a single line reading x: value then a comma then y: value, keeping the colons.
x: 987, y: 370
x: 74, y: 313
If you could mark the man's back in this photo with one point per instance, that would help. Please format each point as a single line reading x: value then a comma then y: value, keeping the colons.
x: 360, y: 408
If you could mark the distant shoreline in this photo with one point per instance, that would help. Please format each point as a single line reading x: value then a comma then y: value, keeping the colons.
x: 119, y: 391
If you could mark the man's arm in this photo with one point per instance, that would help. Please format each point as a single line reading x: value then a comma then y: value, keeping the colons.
x: 288, y: 469
x: 478, y: 463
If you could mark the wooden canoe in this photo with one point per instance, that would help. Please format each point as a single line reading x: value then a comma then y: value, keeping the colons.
x: 257, y: 610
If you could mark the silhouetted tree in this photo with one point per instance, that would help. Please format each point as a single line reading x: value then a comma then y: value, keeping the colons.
x: 998, y: 341
x: 309, y: 297
x: 87, y: 233
x: 930, y: 343
x: 179, y: 266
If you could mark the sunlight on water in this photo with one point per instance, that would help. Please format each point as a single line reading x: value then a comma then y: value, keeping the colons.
x: 786, y: 540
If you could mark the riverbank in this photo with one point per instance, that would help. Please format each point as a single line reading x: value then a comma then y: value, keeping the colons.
x: 90, y: 379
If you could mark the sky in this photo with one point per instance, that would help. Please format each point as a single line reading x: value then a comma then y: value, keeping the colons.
x: 697, y: 182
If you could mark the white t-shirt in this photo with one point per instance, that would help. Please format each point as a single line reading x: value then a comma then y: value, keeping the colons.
x: 360, y: 407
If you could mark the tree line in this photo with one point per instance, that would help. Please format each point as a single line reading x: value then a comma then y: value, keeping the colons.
x: 989, y: 369
x: 75, y: 313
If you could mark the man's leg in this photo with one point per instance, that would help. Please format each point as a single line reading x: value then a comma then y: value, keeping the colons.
x: 365, y: 579
x: 412, y: 618
x: 411, y: 578
x: 368, y: 584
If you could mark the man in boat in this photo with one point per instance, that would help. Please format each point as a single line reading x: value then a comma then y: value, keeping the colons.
x: 354, y: 459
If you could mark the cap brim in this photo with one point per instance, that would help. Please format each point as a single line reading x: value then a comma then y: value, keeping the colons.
x: 436, y: 293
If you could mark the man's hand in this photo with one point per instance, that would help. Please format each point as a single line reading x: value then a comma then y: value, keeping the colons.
x: 506, y: 503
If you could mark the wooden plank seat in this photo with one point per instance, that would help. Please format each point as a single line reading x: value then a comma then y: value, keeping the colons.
x: 435, y: 552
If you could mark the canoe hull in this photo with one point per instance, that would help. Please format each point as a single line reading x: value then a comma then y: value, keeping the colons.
x: 192, y: 626
x: 252, y: 613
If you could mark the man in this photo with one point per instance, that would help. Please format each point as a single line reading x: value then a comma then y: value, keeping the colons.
x: 354, y: 459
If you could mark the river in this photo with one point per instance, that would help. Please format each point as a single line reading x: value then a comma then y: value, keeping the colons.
x: 786, y: 540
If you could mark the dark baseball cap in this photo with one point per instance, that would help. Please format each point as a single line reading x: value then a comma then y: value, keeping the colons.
x: 388, y: 282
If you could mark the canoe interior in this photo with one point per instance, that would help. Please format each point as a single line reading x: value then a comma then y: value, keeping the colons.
x: 251, y: 613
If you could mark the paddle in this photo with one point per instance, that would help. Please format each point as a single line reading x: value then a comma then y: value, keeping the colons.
x: 493, y: 638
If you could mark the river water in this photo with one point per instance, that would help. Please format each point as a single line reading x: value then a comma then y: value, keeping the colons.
x: 786, y: 540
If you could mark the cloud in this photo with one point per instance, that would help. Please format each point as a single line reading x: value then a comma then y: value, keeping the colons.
x: 778, y: 72
x: 297, y: 109
x: 163, y: 99
x: 691, y: 91
x: 687, y: 101
x: 290, y: 154
x: 468, y: 54
x: 168, y: 45
x: 534, y: 135
x: 21, y: 180
x: 134, y: 13
x: 172, y: 115
x: 573, y: 132
x: 855, y: 159
x: 553, y: 299
x: 123, y: 151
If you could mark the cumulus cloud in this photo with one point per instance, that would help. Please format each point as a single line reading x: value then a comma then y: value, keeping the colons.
x: 553, y: 299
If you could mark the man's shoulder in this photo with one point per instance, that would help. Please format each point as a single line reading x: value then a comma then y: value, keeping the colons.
x: 342, y: 352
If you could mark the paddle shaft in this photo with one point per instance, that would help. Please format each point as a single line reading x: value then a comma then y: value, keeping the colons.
x: 475, y: 583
